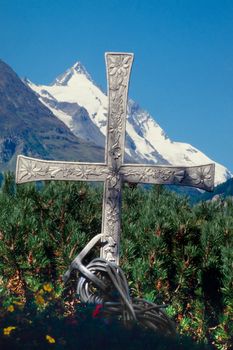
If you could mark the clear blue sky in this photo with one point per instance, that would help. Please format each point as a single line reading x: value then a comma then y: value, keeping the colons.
x: 183, y: 68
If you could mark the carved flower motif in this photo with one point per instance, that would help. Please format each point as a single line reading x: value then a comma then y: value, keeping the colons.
x: 67, y: 172
x: 115, y: 152
x: 83, y: 172
x: 114, y: 126
x: 113, y: 177
x: 115, y: 85
x: 112, y: 216
x: 165, y: 174
x: 109, y: 254
x: 29, y: 169
x: 117, y: 105
x: 202, y: 176
x: 144, y: 176
x: 179, y: 175
x: 111, y: 241
x: 119, y: 65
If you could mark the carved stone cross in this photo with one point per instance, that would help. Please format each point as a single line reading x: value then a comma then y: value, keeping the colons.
x: 114, y: 172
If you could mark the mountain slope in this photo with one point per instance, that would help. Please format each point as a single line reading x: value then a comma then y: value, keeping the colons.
x: 82, y: 106
x: 223, y: 190
x: 28, y: 127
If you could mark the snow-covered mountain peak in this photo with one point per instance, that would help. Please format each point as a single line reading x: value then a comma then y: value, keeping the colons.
x: 143, y: 119
x: 76, y: 71
x: 79, y: 68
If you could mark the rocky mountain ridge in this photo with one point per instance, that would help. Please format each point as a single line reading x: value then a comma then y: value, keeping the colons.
x: 28, y: 127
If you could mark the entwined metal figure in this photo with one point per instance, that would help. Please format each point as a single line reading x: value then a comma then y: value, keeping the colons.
x: 113, y: 173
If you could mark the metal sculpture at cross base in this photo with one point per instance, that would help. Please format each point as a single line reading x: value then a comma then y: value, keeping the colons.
x: 113, y: 173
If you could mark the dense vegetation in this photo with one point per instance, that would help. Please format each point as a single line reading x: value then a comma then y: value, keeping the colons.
x: 171, y: 253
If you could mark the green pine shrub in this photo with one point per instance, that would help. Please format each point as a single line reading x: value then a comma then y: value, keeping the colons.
x: 171, y: 252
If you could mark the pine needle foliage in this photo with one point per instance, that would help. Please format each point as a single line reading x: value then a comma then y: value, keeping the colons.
x: 171, y: 252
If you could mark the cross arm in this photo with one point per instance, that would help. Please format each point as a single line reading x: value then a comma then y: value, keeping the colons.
x: 195, y: 176
x: 32, y: 169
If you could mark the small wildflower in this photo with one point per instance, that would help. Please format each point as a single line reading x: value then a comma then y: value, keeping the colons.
x: 97, y: 310
x: 10, y: 308
x: 180, y: 317
x: 47, y: 287
x: 50, y: 339
x: 7, y: 330
x: 19, y: 303
x: 40, y: 300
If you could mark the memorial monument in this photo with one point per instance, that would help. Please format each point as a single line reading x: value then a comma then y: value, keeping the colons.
x: 104, y: 273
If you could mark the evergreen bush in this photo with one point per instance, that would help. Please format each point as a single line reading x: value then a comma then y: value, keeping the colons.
x: 171, y: 252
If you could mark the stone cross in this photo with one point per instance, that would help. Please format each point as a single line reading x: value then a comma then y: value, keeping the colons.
x: 114, y: 171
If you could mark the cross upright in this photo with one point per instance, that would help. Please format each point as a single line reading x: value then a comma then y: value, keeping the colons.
x: 114, y: 171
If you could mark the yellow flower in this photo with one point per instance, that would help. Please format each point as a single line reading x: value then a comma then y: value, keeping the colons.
x: 50, y: 339
x: 47, y: 287
x: 7, y: 330
x: 10, y: 308
x: 18, y: 303
x: 40, y: 300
